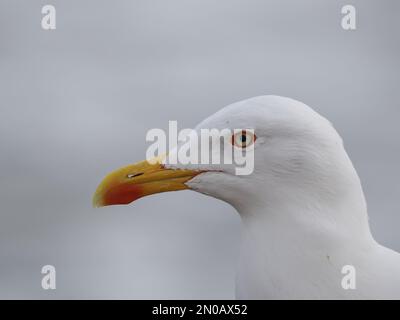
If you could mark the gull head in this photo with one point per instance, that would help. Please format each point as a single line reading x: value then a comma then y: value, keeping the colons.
x: 298, y: 159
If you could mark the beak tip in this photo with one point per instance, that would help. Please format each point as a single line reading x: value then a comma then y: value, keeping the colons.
x: 132, y: 182
x: 97, y: 201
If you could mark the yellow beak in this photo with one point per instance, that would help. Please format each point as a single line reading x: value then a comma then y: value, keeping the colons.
x: 132, y: 182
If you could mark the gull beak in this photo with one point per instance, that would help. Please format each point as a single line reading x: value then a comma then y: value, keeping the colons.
x: 138, y: 180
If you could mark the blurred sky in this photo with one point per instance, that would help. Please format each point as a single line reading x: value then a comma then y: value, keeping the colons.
x: 77, y: 102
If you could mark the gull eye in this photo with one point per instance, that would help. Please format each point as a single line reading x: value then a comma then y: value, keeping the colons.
x: 243, y: 139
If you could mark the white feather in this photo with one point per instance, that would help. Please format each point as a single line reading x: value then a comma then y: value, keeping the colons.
x: 303, y: 210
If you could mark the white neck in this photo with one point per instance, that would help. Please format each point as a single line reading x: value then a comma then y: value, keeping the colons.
x: 288, y: 240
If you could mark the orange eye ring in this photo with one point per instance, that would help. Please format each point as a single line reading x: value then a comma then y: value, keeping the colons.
x: 243, y: 139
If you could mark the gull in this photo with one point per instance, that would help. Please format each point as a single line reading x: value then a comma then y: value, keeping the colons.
x: 303, y: 212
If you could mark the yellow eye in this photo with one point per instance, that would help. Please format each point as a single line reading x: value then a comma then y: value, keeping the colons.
x: 243, y: 139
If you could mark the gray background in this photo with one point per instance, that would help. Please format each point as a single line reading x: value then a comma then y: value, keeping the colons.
x: 77, y: 102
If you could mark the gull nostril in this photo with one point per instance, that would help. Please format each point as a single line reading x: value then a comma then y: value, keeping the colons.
x: 133, y: 175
